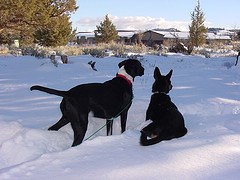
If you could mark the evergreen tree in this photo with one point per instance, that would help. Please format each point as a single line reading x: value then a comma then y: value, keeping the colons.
x: 197, y: 30
x: 22, y: 19
x: 15, y: 18
x: 56, y: 33
x: 106, y: 31
x: 238, y: 35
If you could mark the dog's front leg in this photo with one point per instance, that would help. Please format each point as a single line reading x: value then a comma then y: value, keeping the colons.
x: 109, y: 126
x: 123, y: 120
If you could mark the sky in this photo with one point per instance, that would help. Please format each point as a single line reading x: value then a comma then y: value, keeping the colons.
x: 142, y: 15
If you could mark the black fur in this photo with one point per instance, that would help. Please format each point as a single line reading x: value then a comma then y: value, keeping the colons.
x: 92, y: 64
x: 167, y: 122
x: 237, y: 58
x: 105, y: 100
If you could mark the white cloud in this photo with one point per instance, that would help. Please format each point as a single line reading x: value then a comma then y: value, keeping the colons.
x: 133, y: 23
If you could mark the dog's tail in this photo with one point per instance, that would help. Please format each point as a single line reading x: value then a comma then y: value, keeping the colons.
x: 49, y: 90
x: 147, y: 142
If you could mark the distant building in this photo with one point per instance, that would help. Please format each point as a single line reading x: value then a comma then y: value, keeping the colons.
x: 125, y: 36
x: 156, y: 37
x: 153, y: 37
x: 213, y: 38
x: 85, y: 38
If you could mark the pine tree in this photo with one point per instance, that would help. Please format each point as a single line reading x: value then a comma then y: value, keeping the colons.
x: 197, y: 30
x: 22, y: 19
x: 106, y: 31
x: 56, y: 33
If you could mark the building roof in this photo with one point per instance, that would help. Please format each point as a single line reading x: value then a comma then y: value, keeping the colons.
x: 127, y: 34
x: 86, y: 34
x: 185, y: 35
x: 212, y: 36
x: 166, y: 34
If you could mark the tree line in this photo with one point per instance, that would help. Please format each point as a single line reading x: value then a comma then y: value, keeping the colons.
x: 47, y: 22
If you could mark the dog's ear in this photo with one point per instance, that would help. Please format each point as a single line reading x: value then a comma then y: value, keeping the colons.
x: 122, y: 63
x: 157, y: 73
x: 169, y: 75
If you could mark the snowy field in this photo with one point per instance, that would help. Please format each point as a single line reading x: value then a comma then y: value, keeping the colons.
x: 206, y: 91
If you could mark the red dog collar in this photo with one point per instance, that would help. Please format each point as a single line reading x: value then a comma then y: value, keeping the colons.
x: 125, y: 78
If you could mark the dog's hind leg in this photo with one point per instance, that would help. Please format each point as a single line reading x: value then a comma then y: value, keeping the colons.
x: 62, y: 122
x: 79, y: 126
x: 78, y: 117
x: 162, y: 135
x: 147, y: 142
x: 181, y: 132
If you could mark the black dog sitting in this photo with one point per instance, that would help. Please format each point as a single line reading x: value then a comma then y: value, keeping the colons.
x: 105, y: 100
x: 167, y: 122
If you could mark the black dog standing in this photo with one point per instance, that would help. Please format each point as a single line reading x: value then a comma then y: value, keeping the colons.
x: 167, y: 122
x: 105, y: 100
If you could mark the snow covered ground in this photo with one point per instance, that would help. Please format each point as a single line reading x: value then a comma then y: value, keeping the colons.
x: 207, y: 92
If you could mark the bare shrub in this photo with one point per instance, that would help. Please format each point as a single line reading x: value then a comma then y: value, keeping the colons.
x: 53, y: 60
x: 64, y: 59
x: 179, y: 48
x: 3, y: 50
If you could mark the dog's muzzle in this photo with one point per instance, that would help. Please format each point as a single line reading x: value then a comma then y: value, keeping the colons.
x: 141, y: 72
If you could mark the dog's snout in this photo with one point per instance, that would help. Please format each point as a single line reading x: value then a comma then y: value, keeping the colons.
x: 142, y: 71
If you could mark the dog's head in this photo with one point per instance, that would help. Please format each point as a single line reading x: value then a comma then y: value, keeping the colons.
x: 132, y: 67
x: 162, y: 83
